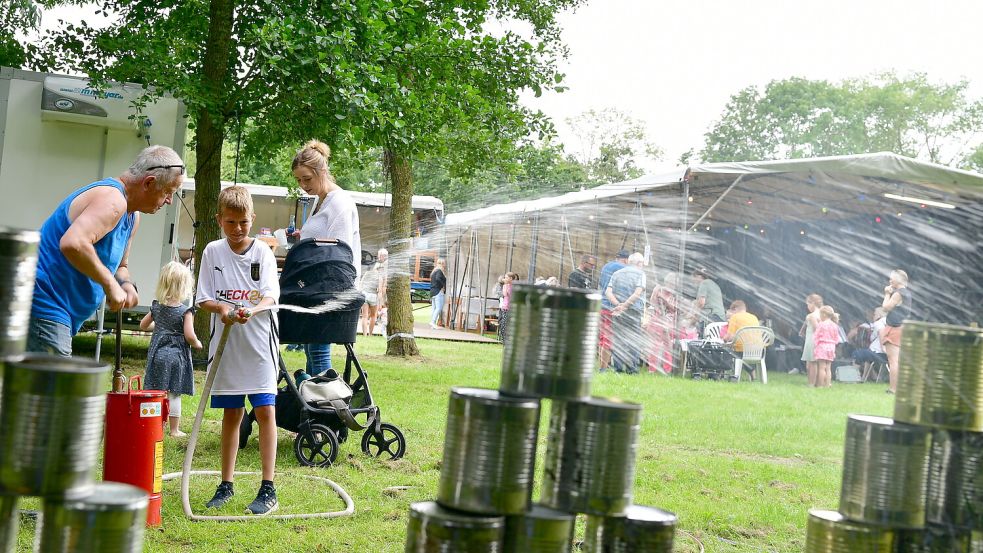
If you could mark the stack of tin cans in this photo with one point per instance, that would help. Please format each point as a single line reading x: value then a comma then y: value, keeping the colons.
x: 484, y: 502
x: 914, y: 483
x: 51, y: 424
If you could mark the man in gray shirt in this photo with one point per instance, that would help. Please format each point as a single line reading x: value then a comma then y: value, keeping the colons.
x: 709, y: 301
x: 626, y: 292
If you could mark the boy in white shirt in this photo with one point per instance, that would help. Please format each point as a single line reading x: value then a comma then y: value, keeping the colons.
x: 239, y: 271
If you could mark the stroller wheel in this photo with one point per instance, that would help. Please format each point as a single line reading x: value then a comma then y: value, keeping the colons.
x: 245, y: 429
x: 389, y: 441
x: 320, y: 451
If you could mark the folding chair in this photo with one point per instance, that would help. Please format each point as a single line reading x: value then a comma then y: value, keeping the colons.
x: 712, y: 332
x: 754, y: 340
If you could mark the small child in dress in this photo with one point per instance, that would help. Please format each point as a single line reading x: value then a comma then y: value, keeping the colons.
x: 241, y: 270
x: 169, y: 356
x: 825, y: 337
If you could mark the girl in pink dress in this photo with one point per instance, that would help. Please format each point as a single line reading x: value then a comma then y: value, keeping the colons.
x: 825, y: 337
x: 661, y: 325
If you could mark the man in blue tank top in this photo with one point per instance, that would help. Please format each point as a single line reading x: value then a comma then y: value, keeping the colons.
x: 84, y: 247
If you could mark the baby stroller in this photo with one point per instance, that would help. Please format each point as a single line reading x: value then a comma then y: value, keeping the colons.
x: 322, y: 409
x: 710, y: 360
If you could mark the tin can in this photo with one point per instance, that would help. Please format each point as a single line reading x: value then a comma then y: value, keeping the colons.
x: 540, y: 530
x: 641, y: 530
x: 552, y: 342
x: 885, y: 470
x: 52, y: 423
x: 434, y: 529
x: 830, y: 532
x: 109, y: 520
x: 936, y: 539
x: 590, y: 456
x: 940, y: 378
x: 955, y: 480
x: 18, y: 264
x: 8, y: 523
x: 489, y: 452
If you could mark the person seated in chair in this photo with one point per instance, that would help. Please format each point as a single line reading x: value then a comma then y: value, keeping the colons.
x: 864, y: 357
x: 739, y: 318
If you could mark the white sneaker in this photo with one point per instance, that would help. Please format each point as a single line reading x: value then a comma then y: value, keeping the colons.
x: 795, y: 371
x: 433, y: 326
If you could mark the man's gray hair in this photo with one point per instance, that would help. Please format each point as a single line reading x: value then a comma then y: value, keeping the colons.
x: 156, y: 156
x: 636, y: 259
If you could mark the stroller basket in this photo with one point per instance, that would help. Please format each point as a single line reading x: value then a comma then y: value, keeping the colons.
x: 316, y: 271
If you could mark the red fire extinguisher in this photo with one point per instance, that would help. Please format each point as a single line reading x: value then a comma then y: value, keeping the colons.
x: 135, y: 441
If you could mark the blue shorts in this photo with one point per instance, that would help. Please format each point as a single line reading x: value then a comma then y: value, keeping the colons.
x: 238, y: 401
x: 44, y: 336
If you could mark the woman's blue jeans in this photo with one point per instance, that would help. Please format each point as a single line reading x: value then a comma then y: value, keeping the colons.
x: 437, y: 306
x: 318, y: 358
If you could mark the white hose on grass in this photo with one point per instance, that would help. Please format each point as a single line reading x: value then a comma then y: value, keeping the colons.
x: 186, y: 471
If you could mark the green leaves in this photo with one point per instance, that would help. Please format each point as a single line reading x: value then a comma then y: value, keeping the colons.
x: 797, y: 118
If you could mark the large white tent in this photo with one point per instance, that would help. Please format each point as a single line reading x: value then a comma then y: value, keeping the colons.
x: 885, y: 206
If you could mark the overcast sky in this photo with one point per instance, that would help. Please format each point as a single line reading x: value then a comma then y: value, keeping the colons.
x: 675, y: 63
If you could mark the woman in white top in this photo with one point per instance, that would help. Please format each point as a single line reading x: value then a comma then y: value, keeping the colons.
x: 335, y: 216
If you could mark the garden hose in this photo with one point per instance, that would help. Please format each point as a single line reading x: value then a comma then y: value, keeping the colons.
x: 186, y: 471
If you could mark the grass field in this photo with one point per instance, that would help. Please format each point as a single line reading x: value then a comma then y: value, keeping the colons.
x: 740, y: 464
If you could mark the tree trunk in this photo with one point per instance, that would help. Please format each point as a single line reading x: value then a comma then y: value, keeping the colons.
x: 399, y: 325
x: 210, y: 132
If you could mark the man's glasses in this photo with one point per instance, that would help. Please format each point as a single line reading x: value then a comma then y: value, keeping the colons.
x: 181, y: 167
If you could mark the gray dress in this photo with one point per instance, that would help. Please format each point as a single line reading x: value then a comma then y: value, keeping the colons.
x: 169, y: 355
x: 808, y: 345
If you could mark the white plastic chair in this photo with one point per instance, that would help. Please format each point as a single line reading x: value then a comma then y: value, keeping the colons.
x: 754, y: 340
x: 711, y: 333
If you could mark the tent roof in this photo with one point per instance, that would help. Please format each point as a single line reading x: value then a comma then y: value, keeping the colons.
x: 371, y: 199
x: 786, y: 189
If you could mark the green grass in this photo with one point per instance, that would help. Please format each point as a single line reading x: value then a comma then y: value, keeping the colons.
x: 740, y: 464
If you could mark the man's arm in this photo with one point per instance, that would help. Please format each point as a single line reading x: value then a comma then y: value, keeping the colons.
x: 123, y: 271
x: 609, y: 294
x: 634, y: 296
x: 99, y: 210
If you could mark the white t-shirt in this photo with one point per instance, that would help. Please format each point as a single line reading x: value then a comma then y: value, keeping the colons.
x: 875, y: 335
x: 249, y: 360
x: 337, y: 218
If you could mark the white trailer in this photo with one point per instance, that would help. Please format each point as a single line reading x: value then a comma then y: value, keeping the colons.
x: 57, y: 134
x: 275, y: 204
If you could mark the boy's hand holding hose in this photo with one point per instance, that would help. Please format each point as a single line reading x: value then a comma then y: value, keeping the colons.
x: 236, y: 314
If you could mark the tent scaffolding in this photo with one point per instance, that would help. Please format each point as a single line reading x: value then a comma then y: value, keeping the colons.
x: 769, y: 231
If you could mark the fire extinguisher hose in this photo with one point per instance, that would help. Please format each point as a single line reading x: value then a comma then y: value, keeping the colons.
x: 189, y: 454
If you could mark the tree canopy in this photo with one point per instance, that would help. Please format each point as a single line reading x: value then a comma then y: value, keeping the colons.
x: 438, y: 78
x: 796, y: 118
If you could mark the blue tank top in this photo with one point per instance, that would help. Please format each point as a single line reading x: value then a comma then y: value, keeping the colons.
x: 61, y: 293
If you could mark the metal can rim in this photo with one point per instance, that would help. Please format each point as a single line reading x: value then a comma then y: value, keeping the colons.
x: 52, y: 363
x: 490, y: 396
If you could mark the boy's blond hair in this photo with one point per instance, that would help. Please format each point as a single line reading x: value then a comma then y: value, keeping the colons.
x: 174, y: 284
x: 236, y: 198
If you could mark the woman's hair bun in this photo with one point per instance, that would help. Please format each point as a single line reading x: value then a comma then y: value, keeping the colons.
x: 320, y: 147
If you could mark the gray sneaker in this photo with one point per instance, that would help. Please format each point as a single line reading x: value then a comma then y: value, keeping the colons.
x: 223, y: 493
x: 794, y: 371
x: 265, y: 502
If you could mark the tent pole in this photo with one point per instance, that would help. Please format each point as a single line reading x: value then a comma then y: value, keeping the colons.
x: 563, y: 240
x: 465, y: 276
x: 455, y: 299
x: 597, y: 235
x: 717, y: 201
x: 534, y: 249
x: 484, y: 293
x: 472, y: 264
x: 509, y: 253
x: 682, y: 261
